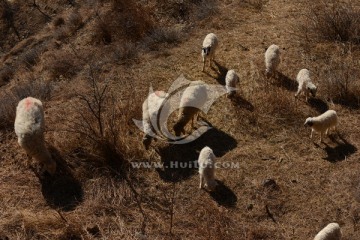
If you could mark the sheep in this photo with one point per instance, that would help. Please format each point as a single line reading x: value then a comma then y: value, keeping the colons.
x: 331, y: 232
x: 150, y: 109
x: 206, y: 163
x: 272, y: 60
x: 322, y: 123
x: 29, y: 127
x: 192, y: 100
x: 305, y: 84
x: 231, y: 80
x: 209, y: 46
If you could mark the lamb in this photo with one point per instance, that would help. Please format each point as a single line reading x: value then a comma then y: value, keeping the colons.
x: 331, y: 232
x: 192, y: 100
x: 209, y: 46
x: 29, y: 128
x: 231, y: 80
x: 207, y: 169
x: 150, y: 109
x: 272, y: 60
x: 305, y: 84
x: 322, y: 123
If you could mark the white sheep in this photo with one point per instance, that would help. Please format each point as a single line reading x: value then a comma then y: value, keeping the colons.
x: 305, y: 84
x: 150, y: 109
x: 206, y: 163
x: 272, y: 60
x: 331, y: 232
x: 191, y: 102
x: 322, y: 123
x: 231, y: 80
x: 29, y: 128
x: 209, y: 46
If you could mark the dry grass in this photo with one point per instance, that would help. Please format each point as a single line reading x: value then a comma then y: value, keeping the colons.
x: 334, y: 20
x: 286, y: 186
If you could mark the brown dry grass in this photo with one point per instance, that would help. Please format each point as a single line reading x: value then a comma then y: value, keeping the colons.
x: 286, y: 186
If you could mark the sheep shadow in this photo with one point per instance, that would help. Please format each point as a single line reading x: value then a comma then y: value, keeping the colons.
x: 180, y: 160
x: 223, y: 195
x: 285, y: 82
x: 241, y: 102
x: 318, y: 104
x: 341, y: 151
x: 62, y: 191
x: 221, y: 72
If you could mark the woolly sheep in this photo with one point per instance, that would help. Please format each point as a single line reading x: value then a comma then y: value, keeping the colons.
x: 331, y: 232
x: 191, y: 102
x: 272, y: 60
x: 29, y: 128
x: 207, y: 169
x: 322, y: 123
x: 209, y: 46
x: 305, y: 84
x: 150, y: 110
x: 231, y: 80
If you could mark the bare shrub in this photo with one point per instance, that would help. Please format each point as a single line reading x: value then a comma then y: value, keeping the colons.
x: 6, y: 73
x: 256, y: 4
x: 74, y: 20
x: 333, y: 20
x: 103, y: 122
x: 125, y: 52
x: 340, y: 80
x: 163, y: 35
x: 59, y: 21
x: 60, y: 63
x: 186, y: 10
x: 123, y: 20
x: 31, y: 57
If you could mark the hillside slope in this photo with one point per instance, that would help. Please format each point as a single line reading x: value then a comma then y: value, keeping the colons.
x: 286, y: 186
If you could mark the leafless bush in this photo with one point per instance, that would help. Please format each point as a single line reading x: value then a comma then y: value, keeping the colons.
x: 6, y: 73
x: 31, y: 57
x: 163, y: 35
x: 125, y: 20
x: 334, y: 20
x: 103, y: 120
x: 186, y: 10
x: 341, y: 82
x: 256, y: 4
x: 60, y: 63
x: 125, y: 52
x: 74, y: 20
x: 59, y: 21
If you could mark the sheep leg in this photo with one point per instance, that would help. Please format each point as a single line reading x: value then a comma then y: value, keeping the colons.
x: 28, y: 162
x: 201, y: 182
x: 311, y: 134
x: 203, y: 68
x: 321, y: 133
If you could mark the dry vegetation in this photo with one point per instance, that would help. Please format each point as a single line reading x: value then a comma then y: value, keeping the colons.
x: 92, y: 62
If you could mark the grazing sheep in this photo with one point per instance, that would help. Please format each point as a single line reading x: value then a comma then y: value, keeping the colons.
x: 305, y: 84
x: 209, y: 46
x: 29, y: 128
x: 150, y: 109
x: 207, y: 169
x: 331, y: 232
x: 322, y: 123
x: 231, y: 80
x: 272, y: 60
x: 191, y: 102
